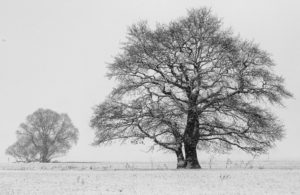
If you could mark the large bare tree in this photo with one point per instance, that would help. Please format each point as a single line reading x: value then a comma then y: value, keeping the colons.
x: 44, y: 136
x: 219, y: 86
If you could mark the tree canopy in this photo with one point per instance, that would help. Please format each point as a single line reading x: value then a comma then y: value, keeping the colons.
x: 44, y: 136
x: 192, y: 84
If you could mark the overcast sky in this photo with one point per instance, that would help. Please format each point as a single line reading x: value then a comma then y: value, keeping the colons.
x: 53, y: 54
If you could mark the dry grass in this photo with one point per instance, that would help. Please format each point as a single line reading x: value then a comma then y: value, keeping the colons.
x: 103, y: 166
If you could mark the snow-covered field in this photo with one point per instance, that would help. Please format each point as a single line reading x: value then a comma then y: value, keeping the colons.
x: 92, y: 178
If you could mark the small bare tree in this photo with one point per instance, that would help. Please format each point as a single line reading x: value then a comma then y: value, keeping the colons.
x: 44, y: 136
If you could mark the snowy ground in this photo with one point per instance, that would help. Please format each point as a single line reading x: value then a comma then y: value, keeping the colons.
x: 57, y: 178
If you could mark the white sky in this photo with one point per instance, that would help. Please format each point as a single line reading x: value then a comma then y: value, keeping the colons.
x: 53, y: 54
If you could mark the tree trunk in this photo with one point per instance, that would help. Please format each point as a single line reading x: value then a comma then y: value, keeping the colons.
x: 44, y: 159
x: 191, y: 137
x: 191, y: 156
x: 44, y: 155
x: 181, y: 164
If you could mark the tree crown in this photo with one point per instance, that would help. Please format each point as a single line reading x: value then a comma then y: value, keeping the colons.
x: 208, y: 82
